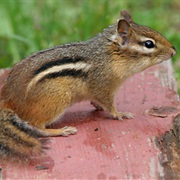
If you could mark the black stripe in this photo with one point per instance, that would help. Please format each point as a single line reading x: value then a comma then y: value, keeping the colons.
x: 26, y: 128
x: 16, y: 138
x: 64, y: 60
x: 66, y: 72
x: 23, y: 126
x: 5, y: 151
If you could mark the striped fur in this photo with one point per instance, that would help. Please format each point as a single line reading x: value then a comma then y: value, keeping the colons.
x: 58, y: 62
x: 17, y: 137
x: 74, y: 67
x: 66, y: 72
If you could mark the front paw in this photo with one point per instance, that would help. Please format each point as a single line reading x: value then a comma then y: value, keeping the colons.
x: 124, y: 115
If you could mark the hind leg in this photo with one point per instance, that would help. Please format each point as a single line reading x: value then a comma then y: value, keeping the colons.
x: 44, y: 107
x: 41, y: 117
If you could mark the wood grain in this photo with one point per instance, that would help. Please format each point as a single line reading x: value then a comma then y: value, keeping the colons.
x: 109, y: 149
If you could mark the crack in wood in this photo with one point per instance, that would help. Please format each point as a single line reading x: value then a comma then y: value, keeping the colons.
x: 169, y: 144
x: 1, y: 174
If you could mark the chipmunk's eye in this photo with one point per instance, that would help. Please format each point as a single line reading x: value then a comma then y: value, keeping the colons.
x: 149, y: 44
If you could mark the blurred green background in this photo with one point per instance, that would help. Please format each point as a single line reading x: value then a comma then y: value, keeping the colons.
x: 27, y: 26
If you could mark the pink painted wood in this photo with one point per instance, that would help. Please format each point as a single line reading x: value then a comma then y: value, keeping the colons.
x: 109, y: 149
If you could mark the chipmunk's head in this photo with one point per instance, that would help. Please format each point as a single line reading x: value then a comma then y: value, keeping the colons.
x: 140, y: 44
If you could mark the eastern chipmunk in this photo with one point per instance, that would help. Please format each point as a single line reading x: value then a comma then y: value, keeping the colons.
x: 41, y: 87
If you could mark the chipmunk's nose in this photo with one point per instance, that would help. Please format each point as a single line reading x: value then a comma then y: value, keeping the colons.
x: 173, y: 51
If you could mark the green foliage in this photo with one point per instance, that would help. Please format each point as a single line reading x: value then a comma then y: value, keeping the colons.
x: 27, y: 26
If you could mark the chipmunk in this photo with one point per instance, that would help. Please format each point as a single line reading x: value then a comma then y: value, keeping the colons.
x: 41, y: 87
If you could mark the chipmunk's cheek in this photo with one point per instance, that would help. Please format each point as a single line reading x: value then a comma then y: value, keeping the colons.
x: 158, y: 60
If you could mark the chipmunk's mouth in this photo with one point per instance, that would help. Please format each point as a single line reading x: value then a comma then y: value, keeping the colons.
x: 167, y: 59
x: 161, y: 60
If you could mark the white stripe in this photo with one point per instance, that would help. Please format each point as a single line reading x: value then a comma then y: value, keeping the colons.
x: 143, y: 39
x: 76, y: 66
x: 141, y: 49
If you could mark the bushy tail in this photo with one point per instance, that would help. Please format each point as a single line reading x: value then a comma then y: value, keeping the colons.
x: 17, y: 138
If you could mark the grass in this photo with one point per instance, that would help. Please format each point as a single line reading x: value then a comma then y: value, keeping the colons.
x: 27, y: 26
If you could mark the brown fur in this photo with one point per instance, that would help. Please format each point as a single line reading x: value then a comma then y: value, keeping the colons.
x: 111, y: 57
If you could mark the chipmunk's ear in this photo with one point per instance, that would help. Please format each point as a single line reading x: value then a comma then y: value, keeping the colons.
x: 126, y: 15
x: 124, y: 31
